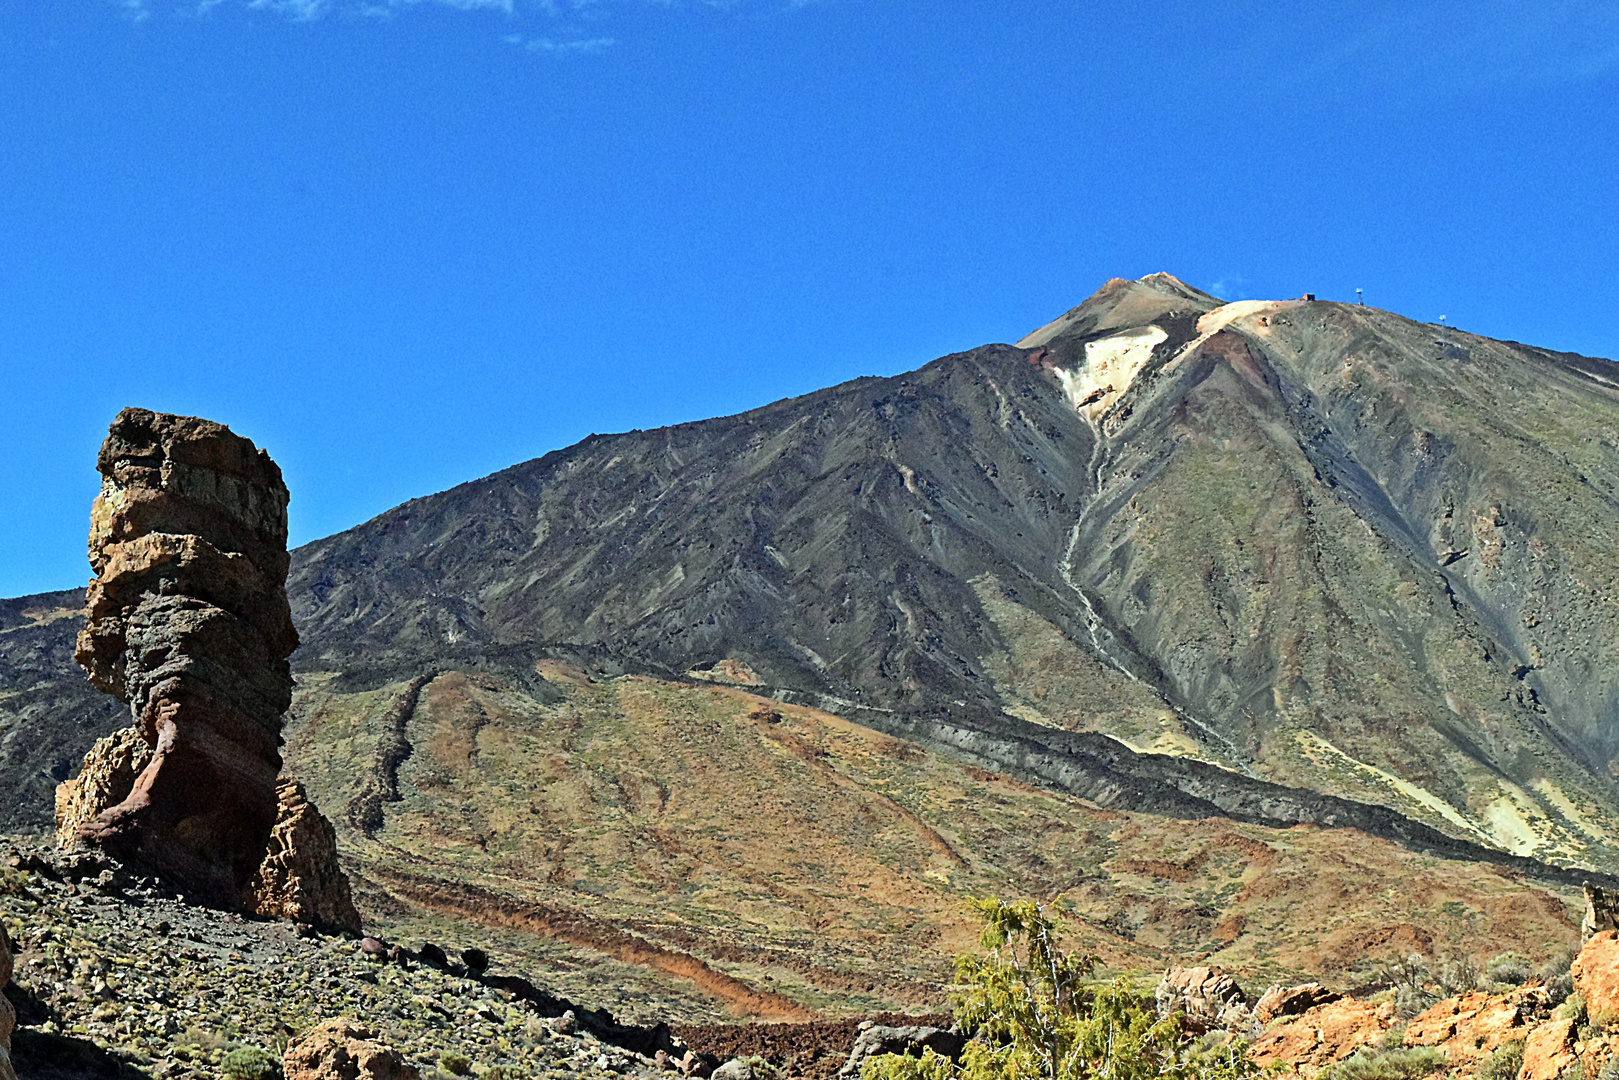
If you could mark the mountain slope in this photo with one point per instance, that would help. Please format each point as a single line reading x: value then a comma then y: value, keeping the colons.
x: 1318, y: 544
x: 1312, y: 544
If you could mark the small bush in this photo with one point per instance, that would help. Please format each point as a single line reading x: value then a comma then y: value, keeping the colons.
x: 250, y: 1063
x: 1410, y: 1063
x: 1572, y: 1008
x: 1508, y: 969
x: 455, y: 1064
x: 1559, y: 982
x: 1502, y: 1063
x: 930, y: 1066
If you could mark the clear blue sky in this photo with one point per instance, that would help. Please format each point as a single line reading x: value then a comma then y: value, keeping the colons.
x: 404, y: 243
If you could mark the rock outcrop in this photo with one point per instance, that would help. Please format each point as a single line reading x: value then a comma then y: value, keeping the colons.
x: 1470, y: 1026
x: 1322, y: 1036
x: 1596, y: 975
x: 1208, y: 997
x: 343, y: 1050
x: 909, y: 1040
x: 1549, y: 1050
x: 106, y: 779
x: 187, y: 621
x: 300, y: 878
x: 1601, y: 911
x: 1292, y: 1001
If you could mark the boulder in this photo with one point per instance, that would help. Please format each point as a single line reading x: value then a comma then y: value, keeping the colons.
x: 1322, y: 1036
x: 739, y: 1069
x: 1549, y: 1050
x: 299, y: 878
x: 343, y: 1050
x: 1209, y: 997
x: 1596, y: 975
x: 910, y: 1040
x: 1292, y: 1001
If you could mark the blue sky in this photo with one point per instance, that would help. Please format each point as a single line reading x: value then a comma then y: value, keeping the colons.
x: 404, y: 243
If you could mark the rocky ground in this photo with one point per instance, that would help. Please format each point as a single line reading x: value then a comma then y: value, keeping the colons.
x: 116, y: 976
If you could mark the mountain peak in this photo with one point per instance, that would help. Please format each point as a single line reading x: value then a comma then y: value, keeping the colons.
x: 1121, y: 303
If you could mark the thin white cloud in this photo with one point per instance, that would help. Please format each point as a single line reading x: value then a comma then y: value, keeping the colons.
x: 1448, y: 46
x: 302, y: 10
x: 561, y: 48
x: 134, y: 10
x: 506, y: 6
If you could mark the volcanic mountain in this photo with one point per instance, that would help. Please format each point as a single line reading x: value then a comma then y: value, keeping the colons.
x: 1282, y: 562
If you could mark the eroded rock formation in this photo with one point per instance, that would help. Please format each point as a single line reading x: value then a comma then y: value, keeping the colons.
x: 187, y: 621
x: 299, y: 878
x: 106, y: 779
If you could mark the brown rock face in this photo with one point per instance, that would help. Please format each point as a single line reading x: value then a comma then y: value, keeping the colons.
x: 1596, y: 975
x: 1468, y: 1027
x: 343, y: 1050
x: 1322, y: 1036
x: 299, y: 878
x: 1549, y: 1051
x: 187, y: 621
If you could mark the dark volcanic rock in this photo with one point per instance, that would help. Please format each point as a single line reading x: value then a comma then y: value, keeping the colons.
x: 49, y: 712
x: 188, y: 622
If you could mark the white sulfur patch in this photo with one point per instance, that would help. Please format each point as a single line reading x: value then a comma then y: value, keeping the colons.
x: 1220, y: 317
x: 1111, y: 364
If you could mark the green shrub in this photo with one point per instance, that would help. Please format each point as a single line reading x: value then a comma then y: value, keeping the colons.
x: 1508, y: 969
x: 932, y: 1065
x: 1034, y: 1016
x: 1572, y: 1008
x: 1559, y: 982
x: 1502, y: 1063
x: 1407, y: 1063
x: 250, y: 1063
x: 455, y: 1064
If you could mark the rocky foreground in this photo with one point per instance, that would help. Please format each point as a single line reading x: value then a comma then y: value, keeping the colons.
x: 118, y: 976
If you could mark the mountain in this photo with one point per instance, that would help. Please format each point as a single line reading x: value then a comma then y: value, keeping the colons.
x: 1285, y: 563
x: 1311, y: 543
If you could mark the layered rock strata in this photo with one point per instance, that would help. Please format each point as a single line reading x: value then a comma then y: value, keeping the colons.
x: 187, y: 621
